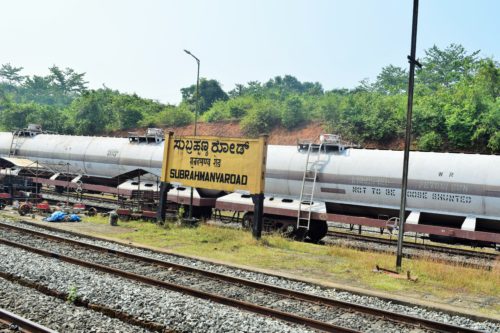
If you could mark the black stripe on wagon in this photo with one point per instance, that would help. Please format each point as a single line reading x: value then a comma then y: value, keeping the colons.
x: 333, y: 190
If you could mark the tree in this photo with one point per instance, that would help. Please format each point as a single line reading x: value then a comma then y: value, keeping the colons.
x: 392, y: 80
x: 210, y: 92
x: 38, y: 89
x: 67, y: 81
x: 446, y: 67
x: 237, y: 91
x: 281, y: 87
x: 14, y: 116
x: 90, y: 113
x: 50, y: 117
x: 313, y: 89
x: 11, y: 74
x: 129, y: 110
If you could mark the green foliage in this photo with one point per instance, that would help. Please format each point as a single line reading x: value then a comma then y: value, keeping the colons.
x: 89, y: 113
x: 170, y: 115
x: 218, y: 112
x: 278, y: 88
x: 456, y: 104
x: 177, y: 116
x: 210, y: 92
x: 428, y: 114
x: 364, y: 115
x: 261, y: 119
x: 72, y: 294
x: 14, y: 115
x: 51, y: 118
x: 494, y: 142
x: 67, y: 81
x: 11, y: 74
x: 430, y: 141
x: 233, y: 109
x: 392, y: 80
x: 292, y: 113
x: 446, y: 67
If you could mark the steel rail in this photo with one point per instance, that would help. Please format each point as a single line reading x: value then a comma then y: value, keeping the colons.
x: 261, y: 286
x: 427, y: 247
x: 188, y: 291
x: 22, y: 324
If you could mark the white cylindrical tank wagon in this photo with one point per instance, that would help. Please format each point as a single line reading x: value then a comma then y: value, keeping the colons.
x: 450, y: 189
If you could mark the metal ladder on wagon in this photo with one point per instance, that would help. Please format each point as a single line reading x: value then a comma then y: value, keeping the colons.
x: 20, y: 135
x: 15, y: 143
x: 308, y: 188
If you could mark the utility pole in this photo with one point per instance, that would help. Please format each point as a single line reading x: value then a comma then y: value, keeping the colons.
x: 404, y: 186
x: 195, y: 121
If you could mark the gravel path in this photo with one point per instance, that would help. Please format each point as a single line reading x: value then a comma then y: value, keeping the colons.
x: 176, y: 311
x: 294, y: 285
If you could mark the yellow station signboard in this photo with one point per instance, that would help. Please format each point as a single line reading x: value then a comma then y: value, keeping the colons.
x: 226, y: 164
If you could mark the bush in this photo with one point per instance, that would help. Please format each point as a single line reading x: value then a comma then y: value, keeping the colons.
x: 129, y: 117
x: 494, y: 142
x: 229, y: 110
x: 261, y: 119
x: 219, y: 111
x: 170, y: 116
x: 292, y: 114
x: 178, y: 116
x: 430, y: 141
x: 239, y: 107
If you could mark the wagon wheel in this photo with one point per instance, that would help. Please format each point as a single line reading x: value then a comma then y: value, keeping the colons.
x: 92, y: 211
x: 289, y: 229
x: 300, y: 234
x: 24, y: 209
x: 247, y: 221
x: 317, y: 230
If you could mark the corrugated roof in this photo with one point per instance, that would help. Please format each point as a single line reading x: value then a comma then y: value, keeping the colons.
x: 23, y: 162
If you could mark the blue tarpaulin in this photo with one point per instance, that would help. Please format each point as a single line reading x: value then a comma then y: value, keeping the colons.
x: 61, y: 216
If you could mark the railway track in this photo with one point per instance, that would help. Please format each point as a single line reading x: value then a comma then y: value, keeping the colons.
x: 12, y: 322
x: 456, y: 255
x: 391, y: 245
x: 297, y: 307
x: 93, y: 201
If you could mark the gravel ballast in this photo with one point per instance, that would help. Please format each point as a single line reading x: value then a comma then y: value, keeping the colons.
x: 330, y: 314
x: 57, y: 314
x: 294, y: 285
x: 175, y: 311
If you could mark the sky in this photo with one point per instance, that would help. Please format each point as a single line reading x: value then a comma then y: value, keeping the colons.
x: 137, y: 46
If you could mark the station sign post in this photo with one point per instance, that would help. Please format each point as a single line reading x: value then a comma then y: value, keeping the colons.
x: 218, y: 163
